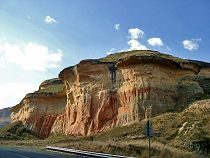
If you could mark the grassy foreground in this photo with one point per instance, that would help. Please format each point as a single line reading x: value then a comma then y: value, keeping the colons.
x: 129, y: 147
x: 183, y: 134
x: 126, y: 140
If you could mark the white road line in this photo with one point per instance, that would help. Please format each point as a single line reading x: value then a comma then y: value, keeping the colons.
x: 57, y: 156
x: 85, y: 153
x: 21, y: 155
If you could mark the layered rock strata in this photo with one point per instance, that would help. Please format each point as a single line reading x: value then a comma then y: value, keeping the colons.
x: 118, y: 89
x: 204, y: 68
x: 39, y: 110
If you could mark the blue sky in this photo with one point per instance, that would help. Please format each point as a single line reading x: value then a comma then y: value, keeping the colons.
x: 38, y: 38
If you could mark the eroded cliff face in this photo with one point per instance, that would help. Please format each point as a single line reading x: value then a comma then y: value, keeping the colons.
x: 204, y: 68
x: 39, y: 110
x: 102, y: 94
x: 117, y: 90
x: 90, y: 98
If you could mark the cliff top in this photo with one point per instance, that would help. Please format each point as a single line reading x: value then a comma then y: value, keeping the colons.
x: 51, y: 87
x: 150, y: 53
x: 140, y: 56
x: 50, y: 82
x: 202, y: 64
x: 54, y: 85
x: 117, y: 56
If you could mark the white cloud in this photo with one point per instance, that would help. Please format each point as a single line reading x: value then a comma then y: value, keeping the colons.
x: 48, y: 19
x: 155, y: 41
x: 191, y: 45
x: 29, y: 56
x: 117, y: 26
x: 111, y: 51
x: 12, y: 93
x: 135, y: 33
x: 135, y: 45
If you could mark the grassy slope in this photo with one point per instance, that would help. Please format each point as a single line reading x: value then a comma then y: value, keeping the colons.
x: 52, y: 89
x: 171, y: 138
x: 15, y: 131
x: 173, y: 133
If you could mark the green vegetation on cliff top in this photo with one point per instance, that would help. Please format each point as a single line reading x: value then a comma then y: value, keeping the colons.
x: 115, y: 57
x: 52, y: 89
x: 54, y: 85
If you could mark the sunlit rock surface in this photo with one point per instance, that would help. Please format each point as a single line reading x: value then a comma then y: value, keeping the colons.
x: 39, y: 110
x: 99, y: 94
x: 116, y: 90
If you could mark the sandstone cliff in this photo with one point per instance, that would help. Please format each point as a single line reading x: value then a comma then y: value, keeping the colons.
x: 39, y: 110
x: 205, y: 68
x: 118, y: 89
x: 113, y: 91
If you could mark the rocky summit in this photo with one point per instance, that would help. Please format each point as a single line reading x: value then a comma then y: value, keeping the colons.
x: 117, y: 90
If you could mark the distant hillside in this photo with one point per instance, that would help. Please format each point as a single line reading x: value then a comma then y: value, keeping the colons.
x: 4, y: 117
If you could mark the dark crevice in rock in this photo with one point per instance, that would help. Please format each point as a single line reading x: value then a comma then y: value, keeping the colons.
x: 112, y: 69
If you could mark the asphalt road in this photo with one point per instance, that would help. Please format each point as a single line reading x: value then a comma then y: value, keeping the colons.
x: 21, y: 153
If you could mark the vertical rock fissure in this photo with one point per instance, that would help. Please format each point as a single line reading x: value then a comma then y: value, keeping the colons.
x: 112, y: 69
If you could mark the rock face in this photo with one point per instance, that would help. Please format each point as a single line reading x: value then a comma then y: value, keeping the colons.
x: 117, y: 90
x: 39, y: 110
x: 4, y: 117
x: 205, y: 68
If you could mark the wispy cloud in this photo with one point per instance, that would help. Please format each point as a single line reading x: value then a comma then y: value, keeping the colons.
x: 191, y: 44
x: 29, y: 56
x: 155, y: 41
x: 117, y: 26
x: 48, y: 19
x: 135, y: 33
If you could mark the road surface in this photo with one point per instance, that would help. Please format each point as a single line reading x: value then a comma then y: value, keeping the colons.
x: 21, y: 153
